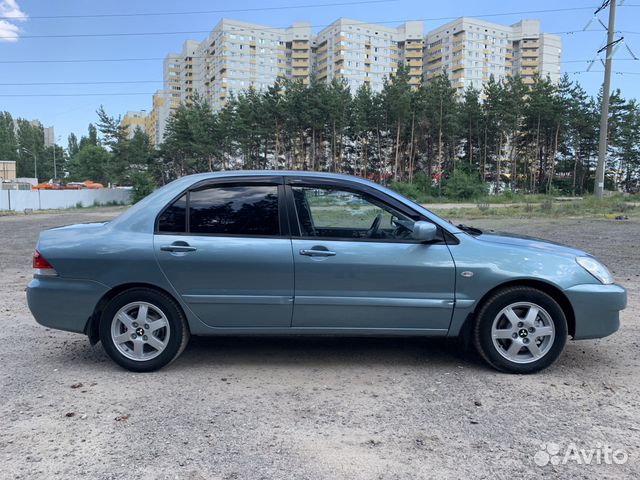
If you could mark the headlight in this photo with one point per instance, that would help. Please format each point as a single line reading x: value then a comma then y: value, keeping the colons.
x: 596, y: 269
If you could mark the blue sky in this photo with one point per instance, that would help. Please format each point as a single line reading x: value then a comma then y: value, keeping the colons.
x: 73, y: 113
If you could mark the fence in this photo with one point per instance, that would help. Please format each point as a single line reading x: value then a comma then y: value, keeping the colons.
x: 19, y: 200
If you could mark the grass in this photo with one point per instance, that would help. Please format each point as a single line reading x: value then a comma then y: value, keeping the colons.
x: 589, y: 206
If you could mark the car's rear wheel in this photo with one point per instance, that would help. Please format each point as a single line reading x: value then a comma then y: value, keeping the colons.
x: 143, y: 330
x: 520, y: 330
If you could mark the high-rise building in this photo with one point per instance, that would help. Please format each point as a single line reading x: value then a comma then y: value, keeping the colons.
x: 133, y: 120
x: 366, y: 53
x: 157, y: 118
x: 178, y: 74
x: 237, y: 56
x: 535, y: 52
x: 469, y: 51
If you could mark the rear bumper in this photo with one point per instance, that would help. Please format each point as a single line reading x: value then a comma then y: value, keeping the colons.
x: 597, y: 309
x: 63, y: 304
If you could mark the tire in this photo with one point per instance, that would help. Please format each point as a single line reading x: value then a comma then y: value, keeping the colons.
x: 520, y: 330
x: 143, y: 330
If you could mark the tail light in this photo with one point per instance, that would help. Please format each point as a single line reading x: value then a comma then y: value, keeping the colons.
x: 41, y: 265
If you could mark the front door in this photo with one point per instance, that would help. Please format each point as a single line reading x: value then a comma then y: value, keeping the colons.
x: 357, y: 266
x: 223, y: 249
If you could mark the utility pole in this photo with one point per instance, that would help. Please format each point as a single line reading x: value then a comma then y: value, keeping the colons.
x: 604, y: 108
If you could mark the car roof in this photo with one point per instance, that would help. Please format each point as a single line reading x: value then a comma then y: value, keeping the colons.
x: 283, y: 173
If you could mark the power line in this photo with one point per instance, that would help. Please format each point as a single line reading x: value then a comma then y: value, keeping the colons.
x: 21, y: 84
x: 602, y: 71
x: 75, y: 94
x: 108, y: 94
x: 258, y: 28
x: 144, y: 59
x: 200, y: 12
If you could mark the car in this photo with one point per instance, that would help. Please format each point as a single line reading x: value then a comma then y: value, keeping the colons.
x: 304, y: 253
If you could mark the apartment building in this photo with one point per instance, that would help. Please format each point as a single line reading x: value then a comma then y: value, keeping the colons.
x: 157, y: 118
x: 469, y: 51
x: 535, y: 52
x: 238, y: 55
x: 133, y: 120
x: 366, y: 53
x: 178, y: 74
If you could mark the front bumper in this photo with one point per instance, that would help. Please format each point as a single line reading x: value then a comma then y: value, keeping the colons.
x: 596, y: 308
x: 62, y: 303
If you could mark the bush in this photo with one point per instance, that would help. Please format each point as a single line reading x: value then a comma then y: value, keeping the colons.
x: 143, y: 184
x: 463, y: 186
x: 421, y: 190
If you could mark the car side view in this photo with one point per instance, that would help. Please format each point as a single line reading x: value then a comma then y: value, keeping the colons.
x: 301, y: 253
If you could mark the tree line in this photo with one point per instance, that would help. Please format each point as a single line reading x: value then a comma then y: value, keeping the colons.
x: 509, y: 135
x: 541, y: 137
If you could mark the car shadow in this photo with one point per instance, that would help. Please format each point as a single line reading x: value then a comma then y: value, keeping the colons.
x: 321, y: 351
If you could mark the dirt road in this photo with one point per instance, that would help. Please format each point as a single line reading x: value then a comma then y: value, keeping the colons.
x: 316, y: 408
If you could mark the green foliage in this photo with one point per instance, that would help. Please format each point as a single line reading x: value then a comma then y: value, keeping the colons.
x: 464, y: 186
x: 516, y: 139
x: 92, y: 162
x: 143, y: 184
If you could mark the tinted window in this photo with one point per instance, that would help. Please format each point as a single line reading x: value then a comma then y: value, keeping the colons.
x: 174, y: 218
x: 243, y: 210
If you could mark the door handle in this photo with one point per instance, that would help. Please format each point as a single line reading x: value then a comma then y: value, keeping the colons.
x: 317, y: 253
x: 178, y: 247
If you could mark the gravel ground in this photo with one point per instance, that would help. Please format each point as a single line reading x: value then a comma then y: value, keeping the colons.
x: 313, y: 407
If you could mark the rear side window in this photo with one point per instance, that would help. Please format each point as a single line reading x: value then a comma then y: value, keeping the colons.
x: 237, y: 210
x: 174, y: 218
x: 224, y: 210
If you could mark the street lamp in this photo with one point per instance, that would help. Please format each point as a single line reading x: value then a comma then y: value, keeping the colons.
x: 35, y: 163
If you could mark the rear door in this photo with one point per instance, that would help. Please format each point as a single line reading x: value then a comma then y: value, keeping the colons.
x: 357, y: 266
x: 225, y: 248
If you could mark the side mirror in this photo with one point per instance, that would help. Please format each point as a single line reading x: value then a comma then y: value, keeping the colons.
x: 424, y: 231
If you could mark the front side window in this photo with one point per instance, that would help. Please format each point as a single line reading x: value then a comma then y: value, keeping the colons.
x: 343, y: 214
x: 224, y: 210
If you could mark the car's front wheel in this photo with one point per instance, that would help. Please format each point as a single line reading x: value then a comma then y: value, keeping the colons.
x: 143, y: 330
x: 520, y: 330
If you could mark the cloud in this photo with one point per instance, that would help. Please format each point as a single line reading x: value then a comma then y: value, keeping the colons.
x: 10, y: 13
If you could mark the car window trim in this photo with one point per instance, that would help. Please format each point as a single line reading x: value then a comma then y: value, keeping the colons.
x: 296, y: 231
x: 258, y: 180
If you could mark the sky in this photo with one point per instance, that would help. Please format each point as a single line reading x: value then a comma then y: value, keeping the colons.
x: 27, y: 37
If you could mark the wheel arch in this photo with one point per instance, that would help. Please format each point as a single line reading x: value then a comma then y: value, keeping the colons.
x: 92, y: 327
x: 551, y: 290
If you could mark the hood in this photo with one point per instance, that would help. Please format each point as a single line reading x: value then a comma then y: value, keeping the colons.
x: 529, y: 242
